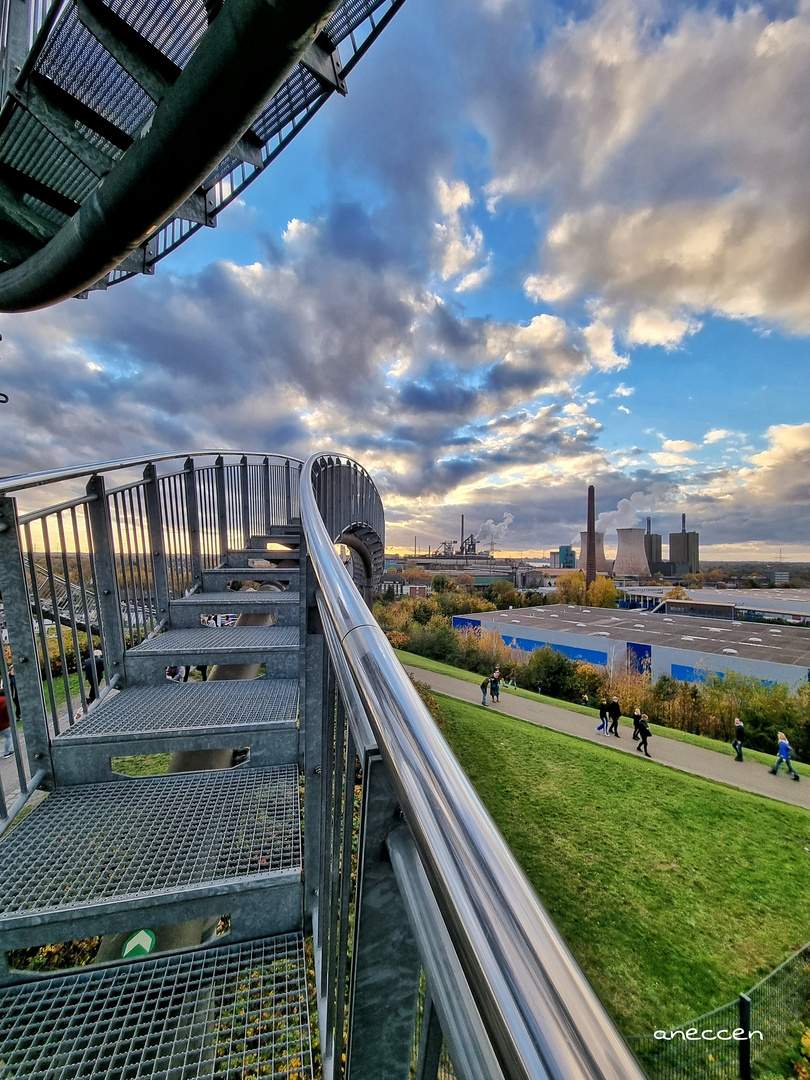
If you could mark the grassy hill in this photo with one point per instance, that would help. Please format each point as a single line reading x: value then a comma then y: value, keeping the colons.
x: 674, y: 893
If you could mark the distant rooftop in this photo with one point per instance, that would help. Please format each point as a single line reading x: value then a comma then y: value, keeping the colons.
x: 782, y: 645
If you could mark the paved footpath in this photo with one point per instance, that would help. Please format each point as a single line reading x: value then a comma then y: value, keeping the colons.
x: 748, y: 775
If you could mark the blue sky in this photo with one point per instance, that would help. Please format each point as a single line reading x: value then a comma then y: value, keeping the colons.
x: 536, y: 247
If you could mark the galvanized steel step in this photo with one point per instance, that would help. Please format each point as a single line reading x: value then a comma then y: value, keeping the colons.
x: 234, y: 1010
x: 277, y: 646
x: 171, y: 848
x: 283, y: 602
x: 233, y: 707
x: 259, y: 714
x: 217, y: 578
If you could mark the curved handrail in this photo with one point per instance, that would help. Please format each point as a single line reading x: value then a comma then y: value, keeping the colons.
x: 75, y: 472
x: 543, y: 1017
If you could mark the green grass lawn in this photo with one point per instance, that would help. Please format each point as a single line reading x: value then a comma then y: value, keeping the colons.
x: 674, y: 893
x: 703, y: 741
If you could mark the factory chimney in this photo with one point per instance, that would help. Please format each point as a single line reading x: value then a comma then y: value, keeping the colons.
x: 590, y: 554
x: 649, y: 526
x: 683, y: 522
x: 461, y: 548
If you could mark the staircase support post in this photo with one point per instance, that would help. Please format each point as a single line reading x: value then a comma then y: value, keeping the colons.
x: 24, y: 653
x: 222, y: 508
x: 156, y: 541
x: 107, y: 595
x: 245, y: 490
x: 385, y: 960
x: 193, y: 520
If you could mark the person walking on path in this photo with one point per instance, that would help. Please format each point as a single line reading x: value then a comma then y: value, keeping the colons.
x: 94, y: 662
x: 636, y: 728
x: 5, y: 726
x: 495, y: 685
x: 484, y: 687
x: 739, y: 737
x: 643, y: 733
x: 784, y: 753
x: 614, y: 712
x: 602, y: 729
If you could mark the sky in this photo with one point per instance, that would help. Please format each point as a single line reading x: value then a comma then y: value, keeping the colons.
x: 537, y: 246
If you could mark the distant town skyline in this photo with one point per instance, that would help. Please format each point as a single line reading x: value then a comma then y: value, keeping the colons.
x: 539, y: 245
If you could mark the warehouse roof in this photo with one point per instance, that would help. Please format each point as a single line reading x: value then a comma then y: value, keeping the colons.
x: 782, y: 645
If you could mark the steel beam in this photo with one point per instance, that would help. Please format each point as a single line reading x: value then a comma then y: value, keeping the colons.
x: 237, y: 67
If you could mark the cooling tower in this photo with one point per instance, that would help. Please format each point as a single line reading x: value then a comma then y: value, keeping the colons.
x: 631, y: 558
x: 601, y: 562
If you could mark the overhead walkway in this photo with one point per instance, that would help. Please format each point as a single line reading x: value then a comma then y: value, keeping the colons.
x: 125, y: 128
x: 312, y: 815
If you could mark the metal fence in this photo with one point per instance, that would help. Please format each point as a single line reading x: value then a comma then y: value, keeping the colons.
x: 751, y: 1028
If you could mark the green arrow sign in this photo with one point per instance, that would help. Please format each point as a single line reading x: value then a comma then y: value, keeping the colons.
x: 138, y: 944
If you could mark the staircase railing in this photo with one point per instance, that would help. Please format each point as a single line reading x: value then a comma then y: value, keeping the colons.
x: 140, y: 533
x: 435, y: 885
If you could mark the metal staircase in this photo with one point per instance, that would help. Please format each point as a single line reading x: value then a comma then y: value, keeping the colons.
x: 312, y: 816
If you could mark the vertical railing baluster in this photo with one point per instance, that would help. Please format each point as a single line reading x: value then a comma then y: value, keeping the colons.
x: 108, y: 597
x: 16, y: 605
x: 57, y: 624
x: 192, y: 521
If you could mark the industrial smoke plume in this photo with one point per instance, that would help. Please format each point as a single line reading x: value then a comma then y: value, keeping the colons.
x: 490, y: 533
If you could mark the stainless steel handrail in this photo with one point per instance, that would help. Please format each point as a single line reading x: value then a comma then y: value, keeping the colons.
x: 76, y: 472
x: 543, y: 1017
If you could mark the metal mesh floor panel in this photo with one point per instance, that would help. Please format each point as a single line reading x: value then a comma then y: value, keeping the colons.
x: 235, y: 600
x: 190, y: 707
x: 238, y: 1011
x: 148, y: 837
x: 207, y: 639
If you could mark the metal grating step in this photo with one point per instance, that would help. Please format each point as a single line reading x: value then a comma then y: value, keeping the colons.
x: 192, y: 706
x: 250, y: 573
x: 92, y: 845
x: 235, y: 600
x: 284, y: 603
x: 233, y: 1011
x: 215, y: 640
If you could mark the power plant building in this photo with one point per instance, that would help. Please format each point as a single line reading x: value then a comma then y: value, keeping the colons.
x: 601, y: 562
x: 631, y: 556
x: 684, y: 550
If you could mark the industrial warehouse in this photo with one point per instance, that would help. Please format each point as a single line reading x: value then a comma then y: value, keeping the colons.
x: 685, y: 647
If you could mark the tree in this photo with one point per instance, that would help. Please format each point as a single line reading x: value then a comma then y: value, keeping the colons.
x: 677, y: 592
x: 416, y: 575
x: 441, y: 583
x: 602, y: 593
x: 571, y: 588
x: 465, y: 581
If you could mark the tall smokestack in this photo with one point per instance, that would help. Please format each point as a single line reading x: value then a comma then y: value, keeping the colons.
x: 649, y: 526
x: 683, y: 522
x: 590, y: 558
x: 462, y: 533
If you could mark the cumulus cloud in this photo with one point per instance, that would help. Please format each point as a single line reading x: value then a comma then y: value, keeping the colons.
x: 662, y: 217
x: 716, y: 435
x: 458, y: 246
x: 678, y: 446
x: 623, y: 391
